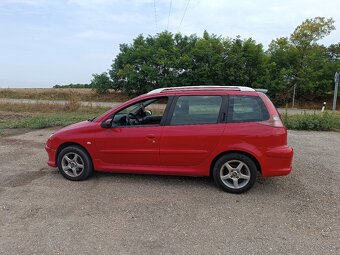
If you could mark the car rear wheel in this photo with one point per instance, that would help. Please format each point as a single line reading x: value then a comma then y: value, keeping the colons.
x: 235, y: 173
x: 74, y: 163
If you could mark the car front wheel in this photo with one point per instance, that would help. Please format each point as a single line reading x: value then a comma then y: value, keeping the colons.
x: 74, y: 163
x: 235, y: 173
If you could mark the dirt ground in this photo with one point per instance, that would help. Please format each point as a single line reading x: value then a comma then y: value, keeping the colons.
x: 43, y: 213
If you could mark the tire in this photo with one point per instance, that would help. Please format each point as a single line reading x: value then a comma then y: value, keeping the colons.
x: 235, y: 173
x: 74, y: 163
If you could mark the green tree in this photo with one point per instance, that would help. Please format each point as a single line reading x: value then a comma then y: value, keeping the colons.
x: 101, y: 83
x: 301, y: 61
x: 176, y: 60
x: 146, y: 64
x: 311, y: 31
x: 206, y: 60
x: 311, y: 56
x: 281, y: 67
x: 333, y: 52
x: 243, y: 62
x: 168, y: 59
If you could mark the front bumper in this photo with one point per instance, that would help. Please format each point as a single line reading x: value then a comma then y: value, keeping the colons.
x: 51, y: 156
x: 277, y: 161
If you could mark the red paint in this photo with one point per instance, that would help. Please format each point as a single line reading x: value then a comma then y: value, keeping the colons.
x: 180, y: 149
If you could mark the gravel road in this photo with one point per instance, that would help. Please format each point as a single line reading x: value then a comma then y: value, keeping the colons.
x: 42, y: 213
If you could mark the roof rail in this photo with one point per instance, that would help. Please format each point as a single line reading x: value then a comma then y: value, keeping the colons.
x: 262, y: 90
x: 240, y: 88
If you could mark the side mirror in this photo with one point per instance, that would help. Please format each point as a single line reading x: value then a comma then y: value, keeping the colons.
x: 107, y: 123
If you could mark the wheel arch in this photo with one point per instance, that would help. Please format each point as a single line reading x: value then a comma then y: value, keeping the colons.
x: 257, y: 163
x: 67, y: 144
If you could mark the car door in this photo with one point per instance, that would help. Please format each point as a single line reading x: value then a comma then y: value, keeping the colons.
x: 132, y: 147
x: 192, y: 130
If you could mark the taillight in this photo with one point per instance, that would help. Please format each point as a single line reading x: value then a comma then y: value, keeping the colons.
x: 274, y: 121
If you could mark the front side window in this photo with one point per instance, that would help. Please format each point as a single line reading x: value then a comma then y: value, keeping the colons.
x: 246, y: 109
x: 196, y: 110
x: 143, y: 113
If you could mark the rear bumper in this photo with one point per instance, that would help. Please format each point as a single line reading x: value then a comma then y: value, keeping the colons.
x: 51, y: 156
x: 277, y: 161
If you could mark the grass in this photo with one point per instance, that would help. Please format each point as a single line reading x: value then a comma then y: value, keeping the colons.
x: 44, y: 121
x: 62, y: 94
x: 39, y: 115
x: 319, y: 122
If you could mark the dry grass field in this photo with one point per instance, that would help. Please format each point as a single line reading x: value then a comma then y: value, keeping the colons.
x: 19, y: 118
x: 61, y: 94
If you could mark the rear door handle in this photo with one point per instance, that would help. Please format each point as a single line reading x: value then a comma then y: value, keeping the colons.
x: 151, y: 136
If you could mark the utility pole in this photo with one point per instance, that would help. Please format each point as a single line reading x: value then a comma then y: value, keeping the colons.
x: 294, y: 95
x: 336, y: 81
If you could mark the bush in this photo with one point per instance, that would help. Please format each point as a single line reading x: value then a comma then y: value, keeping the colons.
x: 316, y: 121
x: 101, y: 83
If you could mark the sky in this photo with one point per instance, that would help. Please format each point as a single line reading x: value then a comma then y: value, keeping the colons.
x: 48, y: 42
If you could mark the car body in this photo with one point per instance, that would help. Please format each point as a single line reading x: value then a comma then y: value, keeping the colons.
x: 198, y: 126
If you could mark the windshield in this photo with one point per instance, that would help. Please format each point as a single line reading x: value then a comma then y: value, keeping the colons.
x: 108, y: 111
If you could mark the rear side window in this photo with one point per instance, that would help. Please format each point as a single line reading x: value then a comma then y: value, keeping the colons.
x: 246, y: 109
x: 196, y: 110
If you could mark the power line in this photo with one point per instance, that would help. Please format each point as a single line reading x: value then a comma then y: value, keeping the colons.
x: 154, y: 7
x: 167, y: 27
x: 185, y: 11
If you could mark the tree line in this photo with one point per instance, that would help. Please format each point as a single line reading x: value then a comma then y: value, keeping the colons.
x: 73, y: 86
x: 167, y: 59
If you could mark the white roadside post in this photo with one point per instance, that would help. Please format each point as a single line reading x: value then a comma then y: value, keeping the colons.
x: 336, y: 80
x: 323, y: 107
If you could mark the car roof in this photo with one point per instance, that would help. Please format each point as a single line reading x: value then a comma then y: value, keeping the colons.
x: 204, y: 88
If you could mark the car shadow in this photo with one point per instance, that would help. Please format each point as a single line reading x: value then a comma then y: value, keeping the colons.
x: 263, y: 185
x: 151, y: 178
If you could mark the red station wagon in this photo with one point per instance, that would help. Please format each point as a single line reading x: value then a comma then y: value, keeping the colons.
x: 229, y: 133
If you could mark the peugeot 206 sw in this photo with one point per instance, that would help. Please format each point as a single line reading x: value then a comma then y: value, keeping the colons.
x: 230, y: 133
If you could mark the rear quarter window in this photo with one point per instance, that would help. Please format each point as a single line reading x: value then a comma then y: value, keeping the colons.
x: 246, y: 109
x: 191, y: 110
